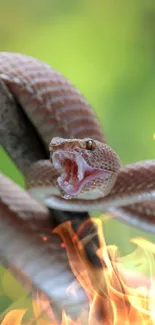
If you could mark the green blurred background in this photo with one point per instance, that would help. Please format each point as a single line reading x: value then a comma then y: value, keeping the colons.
x: 107, y: 49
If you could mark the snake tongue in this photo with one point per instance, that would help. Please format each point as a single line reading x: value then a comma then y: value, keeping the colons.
x: 72, y: 168
x: 75, y: 173
x: 71, y: 179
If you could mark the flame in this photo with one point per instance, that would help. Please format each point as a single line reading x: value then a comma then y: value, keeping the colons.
x: 116, y: 296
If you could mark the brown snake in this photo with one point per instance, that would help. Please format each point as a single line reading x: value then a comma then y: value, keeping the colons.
x: 84, y: 172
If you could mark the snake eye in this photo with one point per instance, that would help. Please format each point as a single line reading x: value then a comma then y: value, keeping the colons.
x: 90, y: 145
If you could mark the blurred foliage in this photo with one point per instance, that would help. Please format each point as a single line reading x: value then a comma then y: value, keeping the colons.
x: 107, y: 49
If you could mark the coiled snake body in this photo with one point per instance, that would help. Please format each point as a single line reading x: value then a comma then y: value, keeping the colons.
x: 83, y: 172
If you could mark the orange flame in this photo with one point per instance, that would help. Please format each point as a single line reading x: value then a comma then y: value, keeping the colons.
x: 116, y: 296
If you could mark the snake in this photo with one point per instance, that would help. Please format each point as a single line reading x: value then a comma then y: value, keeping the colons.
x: 81, y: 171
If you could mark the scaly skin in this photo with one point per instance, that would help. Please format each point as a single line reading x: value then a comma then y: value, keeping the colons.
x: 59, y: 111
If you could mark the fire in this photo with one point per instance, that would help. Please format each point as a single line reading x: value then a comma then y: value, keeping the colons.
x: 116, y: 296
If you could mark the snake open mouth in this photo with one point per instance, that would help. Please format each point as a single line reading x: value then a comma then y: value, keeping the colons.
x: 76, y: 173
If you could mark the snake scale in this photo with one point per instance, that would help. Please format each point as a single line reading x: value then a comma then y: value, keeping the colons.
x: 52, y: 134
x: 83, y: 172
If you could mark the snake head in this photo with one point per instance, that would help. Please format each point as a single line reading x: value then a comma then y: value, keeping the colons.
x: 87, y: 167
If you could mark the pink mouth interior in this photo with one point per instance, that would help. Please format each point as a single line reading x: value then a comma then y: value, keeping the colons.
x: 76, y: 173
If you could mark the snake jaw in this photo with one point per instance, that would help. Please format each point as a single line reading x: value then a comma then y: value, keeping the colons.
x: 75, y: 172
